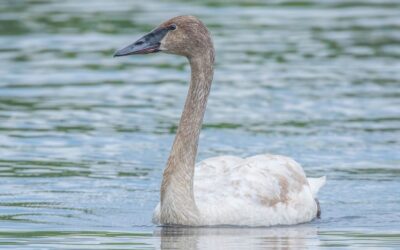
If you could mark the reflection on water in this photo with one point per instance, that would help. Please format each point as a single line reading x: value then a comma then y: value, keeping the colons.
x: 295, y: 237
x: 84, y: 137
x: 238, y: 238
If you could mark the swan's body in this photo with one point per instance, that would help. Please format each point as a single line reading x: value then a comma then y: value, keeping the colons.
x: 262, y: 190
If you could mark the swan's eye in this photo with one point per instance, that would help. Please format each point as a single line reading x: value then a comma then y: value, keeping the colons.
x: 172, y: 27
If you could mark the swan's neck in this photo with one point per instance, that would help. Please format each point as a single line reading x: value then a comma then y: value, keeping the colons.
x: 177, y: 200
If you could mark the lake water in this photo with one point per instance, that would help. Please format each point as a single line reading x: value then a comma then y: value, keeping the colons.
x: 84, y: 137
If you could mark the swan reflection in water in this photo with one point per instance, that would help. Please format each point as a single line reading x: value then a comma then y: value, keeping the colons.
x: 191, y: 238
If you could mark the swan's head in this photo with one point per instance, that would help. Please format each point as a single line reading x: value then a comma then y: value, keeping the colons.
x: 181, y: 35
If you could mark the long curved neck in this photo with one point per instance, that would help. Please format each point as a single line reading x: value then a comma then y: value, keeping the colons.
x: 177, y: 200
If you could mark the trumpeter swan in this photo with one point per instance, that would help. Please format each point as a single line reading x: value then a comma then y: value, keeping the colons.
x: 261, y: 190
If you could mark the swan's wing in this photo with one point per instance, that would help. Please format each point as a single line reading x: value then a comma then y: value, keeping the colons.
x: 248, y: 191
x: 267, y: 178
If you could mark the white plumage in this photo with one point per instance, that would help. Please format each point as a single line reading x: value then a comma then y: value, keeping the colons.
x: 261, y: 190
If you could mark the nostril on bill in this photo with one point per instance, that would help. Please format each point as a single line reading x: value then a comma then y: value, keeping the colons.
x: 139, y: 43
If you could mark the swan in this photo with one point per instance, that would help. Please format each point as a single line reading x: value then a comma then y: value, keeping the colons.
x: 262, y: 190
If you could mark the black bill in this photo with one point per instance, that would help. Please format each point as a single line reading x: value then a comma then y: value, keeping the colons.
x: 149, y: 43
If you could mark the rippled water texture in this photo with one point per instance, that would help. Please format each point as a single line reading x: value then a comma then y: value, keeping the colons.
x: 84, y: 137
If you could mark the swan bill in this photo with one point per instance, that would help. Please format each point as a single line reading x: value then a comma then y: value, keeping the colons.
x: 149, y: 43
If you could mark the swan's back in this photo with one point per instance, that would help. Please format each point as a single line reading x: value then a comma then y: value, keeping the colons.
x: 261, y: 190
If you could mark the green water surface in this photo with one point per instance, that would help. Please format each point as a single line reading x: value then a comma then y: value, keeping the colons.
x: 84, y: 137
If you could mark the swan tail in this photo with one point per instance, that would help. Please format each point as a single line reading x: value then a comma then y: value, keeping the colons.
x: 316, y: 184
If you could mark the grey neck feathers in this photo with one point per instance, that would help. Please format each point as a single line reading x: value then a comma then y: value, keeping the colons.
x: 177, y: 199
